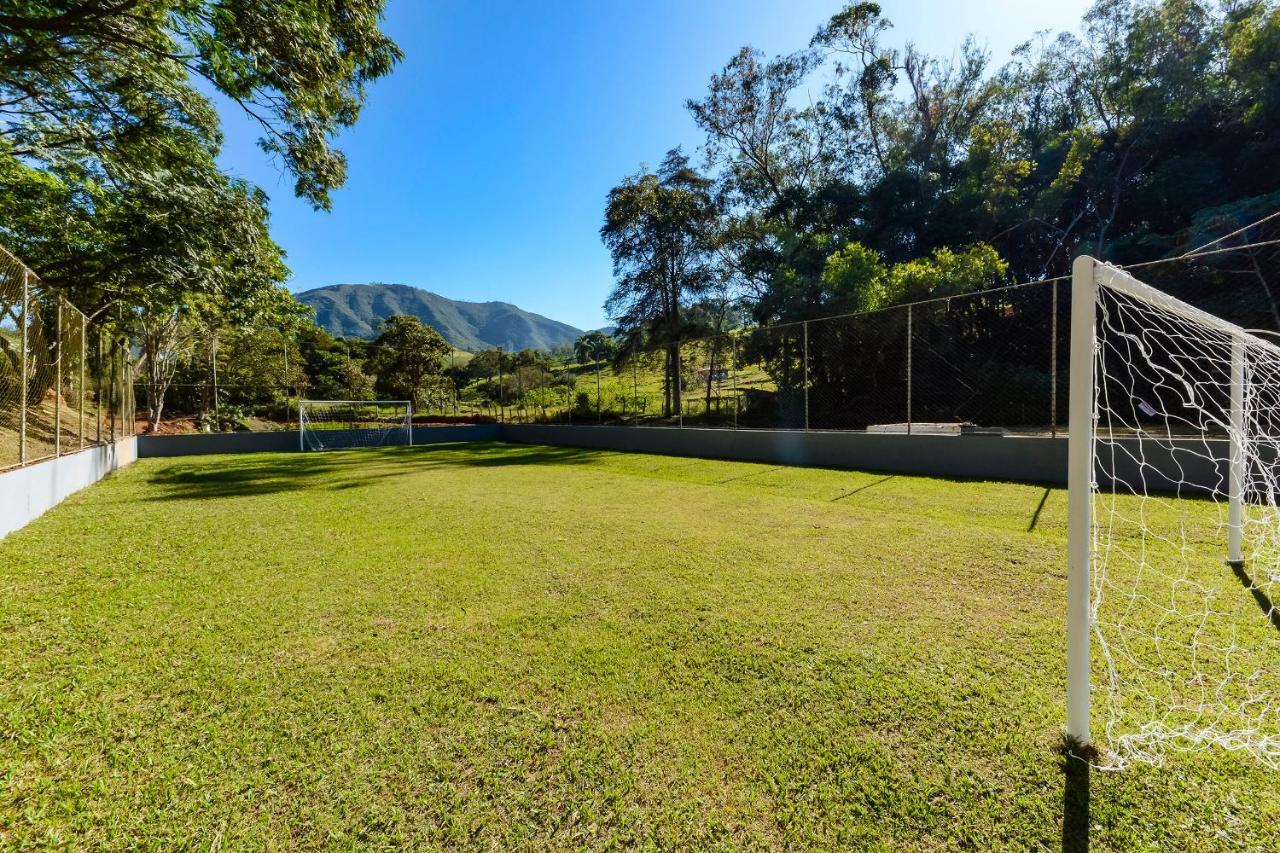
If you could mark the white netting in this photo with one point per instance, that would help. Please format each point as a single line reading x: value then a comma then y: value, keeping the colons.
x: 337, y: 424
x: 1190, y: 641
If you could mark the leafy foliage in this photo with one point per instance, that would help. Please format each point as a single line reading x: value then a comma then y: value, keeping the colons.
x: 408, y: 357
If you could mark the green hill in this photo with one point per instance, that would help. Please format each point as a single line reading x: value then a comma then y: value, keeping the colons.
x: 355, y: 310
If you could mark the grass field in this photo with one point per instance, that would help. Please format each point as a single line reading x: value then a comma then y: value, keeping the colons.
x: 523, y: 647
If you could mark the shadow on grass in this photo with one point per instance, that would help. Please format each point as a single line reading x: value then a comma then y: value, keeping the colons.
x: 1265, y: 604
x: 268, y: 474
x: 864, y: 487
x: 1075, y: 797
x: 748, y: 474
x: 1035, y: 516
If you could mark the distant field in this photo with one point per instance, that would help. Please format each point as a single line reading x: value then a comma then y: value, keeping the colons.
x: 509, y: 647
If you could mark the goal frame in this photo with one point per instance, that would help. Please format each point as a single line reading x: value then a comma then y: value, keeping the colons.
x: 1087, y: 276
x: 302, y: 404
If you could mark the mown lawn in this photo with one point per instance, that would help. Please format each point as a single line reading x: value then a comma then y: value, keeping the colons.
x: 524, y: 647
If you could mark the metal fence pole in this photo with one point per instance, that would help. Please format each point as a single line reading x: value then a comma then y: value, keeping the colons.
x: 1053, y: 365
x: 733, y: 342
x: 57, y: 386
x: 115, y: 391
x: 806, y: 375
x: 22, y: 387
x: 213, y: 365
x: 97, y: 387
x: 635, y: 391
x: 908, y: 370
x: 679, y: 387
x: 83, y: 332
x: 599, y: 411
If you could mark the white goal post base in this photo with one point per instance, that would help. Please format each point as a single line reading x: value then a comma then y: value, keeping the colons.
x: 344, y: 424
x: 1173, y: 591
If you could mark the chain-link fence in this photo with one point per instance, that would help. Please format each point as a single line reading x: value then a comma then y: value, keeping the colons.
x: 993, y: 360
x: 65, y: 381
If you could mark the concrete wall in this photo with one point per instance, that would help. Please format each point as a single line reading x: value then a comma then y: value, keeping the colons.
x: 1191, y: 465
x: 27, y: 493
x: 1032, y: 458
x: 199, y: 444
x: 1186, y: 466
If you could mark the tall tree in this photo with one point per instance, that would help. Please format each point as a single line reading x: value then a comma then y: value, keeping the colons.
x: 662, y: 230
x: 408, y: 356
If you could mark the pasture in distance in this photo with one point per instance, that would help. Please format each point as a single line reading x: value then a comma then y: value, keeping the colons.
x: 513, y: 646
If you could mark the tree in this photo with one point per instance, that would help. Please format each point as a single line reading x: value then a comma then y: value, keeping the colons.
x: 595, y: 347
x: 91, y: 75
x: 109, y: 183
x: 407, y: 357
x: 661, y: 229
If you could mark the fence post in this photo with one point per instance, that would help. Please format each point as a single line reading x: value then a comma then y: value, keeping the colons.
x: 83, y: 350
x: 679, y: 389
x: 806, y: 374
x: 733, y: 342
x: 22, y: 387
x: 217, y: 415
x: 599, y: 411
x: 97, y: 387
x: 1053, y: 366
x: 635, y: 392
x: 1080, y: 426
x: 1235, y: 495
x: 57, y: 386
x: 115, y: 390
x: 908, y: 370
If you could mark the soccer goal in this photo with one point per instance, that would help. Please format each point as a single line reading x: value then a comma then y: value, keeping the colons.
x: 338, y: 424
x: 1174, y: 528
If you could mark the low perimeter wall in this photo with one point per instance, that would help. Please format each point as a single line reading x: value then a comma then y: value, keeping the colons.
x: 993, y: 457
x: 29, y: 492
x: 200, y: 444
x: 1178, y: 466
x: 1190, y: 465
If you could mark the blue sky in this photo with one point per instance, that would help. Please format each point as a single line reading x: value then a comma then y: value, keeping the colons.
x: 479, y: 169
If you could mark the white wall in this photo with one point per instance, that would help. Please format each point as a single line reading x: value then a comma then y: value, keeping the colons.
x: 28, y: 493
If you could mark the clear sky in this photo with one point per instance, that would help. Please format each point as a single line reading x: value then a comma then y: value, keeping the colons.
x: 479, y: 169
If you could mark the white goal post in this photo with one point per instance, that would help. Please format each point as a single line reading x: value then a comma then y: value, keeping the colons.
x: 1173, y: 525
x: 340, y: 424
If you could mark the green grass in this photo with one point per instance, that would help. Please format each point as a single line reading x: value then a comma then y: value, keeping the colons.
x: 523, y: 647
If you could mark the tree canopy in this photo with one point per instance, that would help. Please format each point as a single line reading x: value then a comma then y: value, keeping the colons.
x: 1144, y: 134
x: 407, y: 357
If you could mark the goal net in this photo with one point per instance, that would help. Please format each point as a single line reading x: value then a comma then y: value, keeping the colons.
x: 336, y: 424
x: 1174, y: 526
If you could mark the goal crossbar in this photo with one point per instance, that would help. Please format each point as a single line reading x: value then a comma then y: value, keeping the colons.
x: 1119, y: 280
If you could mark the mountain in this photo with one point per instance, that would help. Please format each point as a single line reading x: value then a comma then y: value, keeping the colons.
x: 354, y: 310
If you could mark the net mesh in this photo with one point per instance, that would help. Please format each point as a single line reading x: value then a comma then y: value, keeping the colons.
x: 332, y: 425
x: 1189, y: 640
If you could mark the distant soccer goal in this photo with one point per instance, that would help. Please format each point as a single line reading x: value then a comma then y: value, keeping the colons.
x: 339, y: 424
x: 1174, y: 526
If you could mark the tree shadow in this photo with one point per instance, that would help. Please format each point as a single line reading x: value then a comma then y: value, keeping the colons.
x: 1265, y: 604
x: 1076, y: 769
x: 273, y: 473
